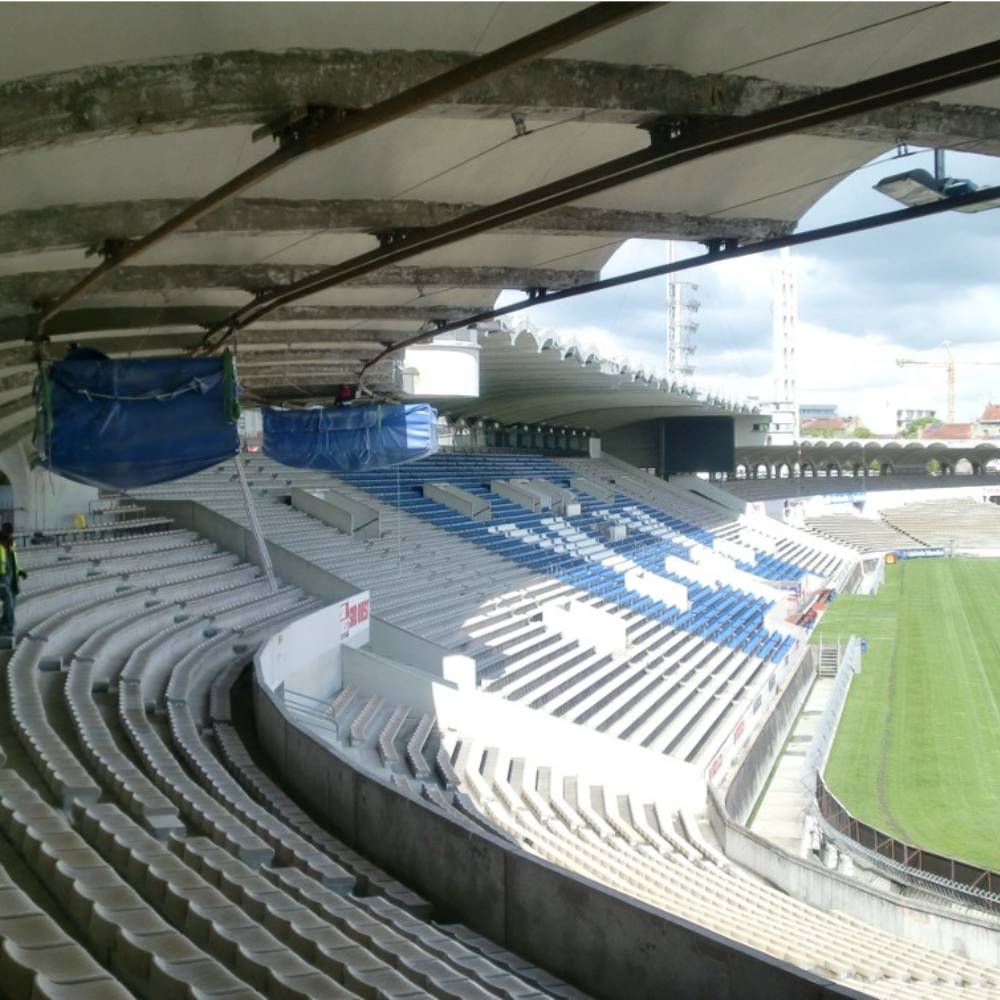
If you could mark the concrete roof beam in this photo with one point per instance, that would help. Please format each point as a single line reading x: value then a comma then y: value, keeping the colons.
x: 34, y: 286
x: 63, y: 227
x: 221, y: 89
x: 148, y: 319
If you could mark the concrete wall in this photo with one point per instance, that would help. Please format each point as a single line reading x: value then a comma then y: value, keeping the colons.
x: 435, y: 661
x: 307, y: 655
x: 41, y: 498
x: 753, y: 770
x: 828, y: 890
x: 374, y: 674
x: 494, y: 721
x: 603, y: 942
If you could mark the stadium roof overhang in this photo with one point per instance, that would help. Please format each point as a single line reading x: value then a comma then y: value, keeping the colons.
x: 531, y: 377
x: 113, y: 118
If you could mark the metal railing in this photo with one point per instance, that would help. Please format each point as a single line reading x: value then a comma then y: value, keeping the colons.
x: 968, y: 884
x: 317, y: 714
x: 963, y: 882
x: 819, y: 748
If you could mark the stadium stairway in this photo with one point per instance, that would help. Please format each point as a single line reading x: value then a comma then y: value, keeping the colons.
x: 639, y: 844
x: 134, y: 862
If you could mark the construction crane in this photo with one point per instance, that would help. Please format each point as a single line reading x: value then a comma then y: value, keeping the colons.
x: 949, y: 366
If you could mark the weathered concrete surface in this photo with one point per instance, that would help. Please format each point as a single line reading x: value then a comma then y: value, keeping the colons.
x: 278, y: 341
x: 73, y: 321
x: 337, y: 352
x: 33, y: 286
x: 14, y: 357
x: 325, y: 375
x: 70, y: 226
x: 16, y: 407
x: 15, y: 376
x: 19, y: 430
x: 313, y: 384
x: 250, y: 87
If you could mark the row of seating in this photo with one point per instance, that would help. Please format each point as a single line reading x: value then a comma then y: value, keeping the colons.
x: 643, y: 845
x: 183, y: 874
x: 964, y: 522
x: 680, y: 686
x: 473, y: 473
x: 795, y: 548
x: 864, y: 534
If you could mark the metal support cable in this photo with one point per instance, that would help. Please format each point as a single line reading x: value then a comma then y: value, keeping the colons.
x: 691, y: 143
x: 348, y: 123
x: 258, y: 534
x: 711, y: 257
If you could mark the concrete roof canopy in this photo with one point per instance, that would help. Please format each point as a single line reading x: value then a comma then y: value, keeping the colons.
x: 115, y: 117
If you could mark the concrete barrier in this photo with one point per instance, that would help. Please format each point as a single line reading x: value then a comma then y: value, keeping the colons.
x: 607, y: 633
x: 672, y: 594
x: 341, y: 512
x: 908, y: 918
x: 735, y: 551
x: 459, y: 500
x: 592, y: 489
x: 603, y: 942
x: 516, y: 494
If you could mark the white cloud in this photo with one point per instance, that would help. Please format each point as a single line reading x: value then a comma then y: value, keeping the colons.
x: 864, y: 301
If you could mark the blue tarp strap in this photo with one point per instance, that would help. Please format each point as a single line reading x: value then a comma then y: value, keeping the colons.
x: 199, y: 385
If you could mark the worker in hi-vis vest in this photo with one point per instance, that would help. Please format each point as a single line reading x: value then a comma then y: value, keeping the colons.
x: 11, y: 576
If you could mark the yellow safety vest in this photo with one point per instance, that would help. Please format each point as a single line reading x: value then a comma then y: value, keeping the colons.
x: 3, y: 563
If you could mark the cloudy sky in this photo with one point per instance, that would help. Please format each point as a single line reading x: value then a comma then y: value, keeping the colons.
x: 864, y: 301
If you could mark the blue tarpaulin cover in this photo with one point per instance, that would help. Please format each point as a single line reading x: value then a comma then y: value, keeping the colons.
x: 135, y: 422
x: 343, y: 439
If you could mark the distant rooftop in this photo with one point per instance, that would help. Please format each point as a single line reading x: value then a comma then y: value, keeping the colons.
x: 948, y: 432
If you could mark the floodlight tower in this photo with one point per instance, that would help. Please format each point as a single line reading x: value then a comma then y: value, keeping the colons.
x: 785, y: 329
x: 681, y: 328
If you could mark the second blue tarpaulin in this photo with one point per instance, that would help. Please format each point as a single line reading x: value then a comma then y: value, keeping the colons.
x: 349, y: 438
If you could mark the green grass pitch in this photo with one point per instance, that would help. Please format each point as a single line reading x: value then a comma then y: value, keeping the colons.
x: 917, y: 752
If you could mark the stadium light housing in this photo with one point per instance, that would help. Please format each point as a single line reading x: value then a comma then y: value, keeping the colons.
x: 920, y: 187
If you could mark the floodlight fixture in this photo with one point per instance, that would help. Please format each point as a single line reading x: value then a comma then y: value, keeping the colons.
x: 920, y: 187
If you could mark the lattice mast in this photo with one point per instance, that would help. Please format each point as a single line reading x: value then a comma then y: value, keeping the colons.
x: 785, y: 333
x: 681, y: 328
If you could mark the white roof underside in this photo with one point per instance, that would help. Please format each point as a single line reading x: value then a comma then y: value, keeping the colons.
x: 114, y: 116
